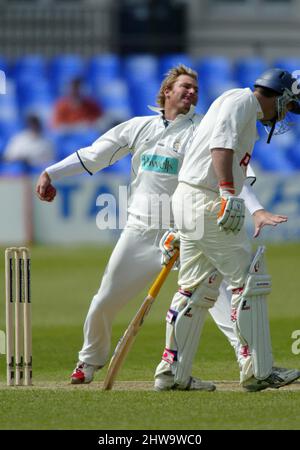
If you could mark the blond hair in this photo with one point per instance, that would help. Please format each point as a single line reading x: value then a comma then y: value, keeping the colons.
x: 170, y: 79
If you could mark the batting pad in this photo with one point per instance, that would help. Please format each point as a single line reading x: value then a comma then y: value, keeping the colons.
x: 188, y: 328
x: 189, y: 324
x: 253, y: 325
x: 252, y: 317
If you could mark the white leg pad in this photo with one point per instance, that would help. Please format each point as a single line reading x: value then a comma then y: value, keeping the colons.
x: 189, y: 324
x: 252, y: 324
x: 188, y: 328
x: 185, y: 320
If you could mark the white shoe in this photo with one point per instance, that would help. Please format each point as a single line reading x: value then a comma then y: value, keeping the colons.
x: 83, y: 373
x: 279, y: 377
x: 165, y: 382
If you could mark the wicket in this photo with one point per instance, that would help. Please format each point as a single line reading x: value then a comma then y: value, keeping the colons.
x: 18, y: 316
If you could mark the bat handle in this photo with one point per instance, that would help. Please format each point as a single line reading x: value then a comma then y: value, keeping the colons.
x: 155, y: 288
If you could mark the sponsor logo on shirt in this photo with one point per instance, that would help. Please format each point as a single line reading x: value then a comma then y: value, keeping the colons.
x: 162, y: 164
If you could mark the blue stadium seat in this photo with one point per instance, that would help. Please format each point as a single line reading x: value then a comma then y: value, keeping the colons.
x: 142, y: 95
x: 171, y: 60
x: 28, y: 91
x: 29, y: 67
x: 2, y: 146
x: 295, y: 119
x: 63, y: 69
x: 286, y: 140
x: 13, y: 168
x: 271, y: 157
x: 66, y: 144
x: 7, y: 130
x: 289, y: 64
x: 140, y: 68
x: 8, y: 104
x: 67, y: 63
x: 214, y: 90
x: 203, y: 103
x: 113, y: 96
x: 293, y: 154
x: 90, y: 135
x: 4, y: 65
x: 247, y: 70
x: 104, y: 67
x: 214, y: 69
x: 32, y: 62
x: 283, y: 141
x: 35, y: 97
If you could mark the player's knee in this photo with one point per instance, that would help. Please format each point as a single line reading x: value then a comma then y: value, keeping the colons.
x: 204, y: 295
x: 102, y: 303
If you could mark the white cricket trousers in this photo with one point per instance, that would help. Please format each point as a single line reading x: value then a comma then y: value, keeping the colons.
x: 133, y: 265
x: 203, y: 246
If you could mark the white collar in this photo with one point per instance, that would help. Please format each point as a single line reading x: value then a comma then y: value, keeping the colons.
x: 160, y: 111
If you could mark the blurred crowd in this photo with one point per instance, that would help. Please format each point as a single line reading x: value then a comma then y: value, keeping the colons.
x: 53, y: 107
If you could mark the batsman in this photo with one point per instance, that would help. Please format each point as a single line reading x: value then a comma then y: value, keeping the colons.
x: 213, y: 242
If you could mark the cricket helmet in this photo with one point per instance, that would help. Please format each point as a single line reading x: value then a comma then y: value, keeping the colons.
x: 287, y: 88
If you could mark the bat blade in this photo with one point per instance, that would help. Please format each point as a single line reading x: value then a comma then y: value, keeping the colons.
x: 125, y: 343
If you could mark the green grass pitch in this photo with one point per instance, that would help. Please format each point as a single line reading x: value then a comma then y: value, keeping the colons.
x: 63, y: 283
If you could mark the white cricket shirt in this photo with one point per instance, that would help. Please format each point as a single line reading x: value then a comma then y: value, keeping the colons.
x: 157, y: 154
x: 229, y: 123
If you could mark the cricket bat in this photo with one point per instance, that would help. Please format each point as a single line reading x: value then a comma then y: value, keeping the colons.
x: 126, y: 341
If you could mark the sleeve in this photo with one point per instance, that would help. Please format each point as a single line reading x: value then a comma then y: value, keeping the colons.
x: 232, y: 118
x: 251, y: 201
x: 250, y: 176
x: 66, y: 167
x: 108, y: 149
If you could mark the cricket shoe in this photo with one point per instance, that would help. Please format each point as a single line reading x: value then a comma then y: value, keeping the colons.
x: 165, y: 382
x: 279, y: 377
x: 83, y: 373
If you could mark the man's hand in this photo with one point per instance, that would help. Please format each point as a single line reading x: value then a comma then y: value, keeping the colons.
x: 231, y: 216
x: 232, y: 209
x: 44, y: 189
x: 168, y: 244
x: 262, y: 218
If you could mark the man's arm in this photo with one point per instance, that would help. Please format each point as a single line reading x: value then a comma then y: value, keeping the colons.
x: 106, y: 150
x: 261, y: 217
x: 222, y: 159
x: 66, y: 167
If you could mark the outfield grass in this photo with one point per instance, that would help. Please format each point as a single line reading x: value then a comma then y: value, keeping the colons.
x: 63, y: 282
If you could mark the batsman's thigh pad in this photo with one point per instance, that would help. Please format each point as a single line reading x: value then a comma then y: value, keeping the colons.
x: 189, y: 324
x: 252, y: 323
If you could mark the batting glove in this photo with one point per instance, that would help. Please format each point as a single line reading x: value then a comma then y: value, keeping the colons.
x: 231, y: 216
x: 168, y: 244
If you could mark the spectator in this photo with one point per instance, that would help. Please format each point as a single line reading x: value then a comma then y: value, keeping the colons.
x: 30, y: 145
x: 75, y: 109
